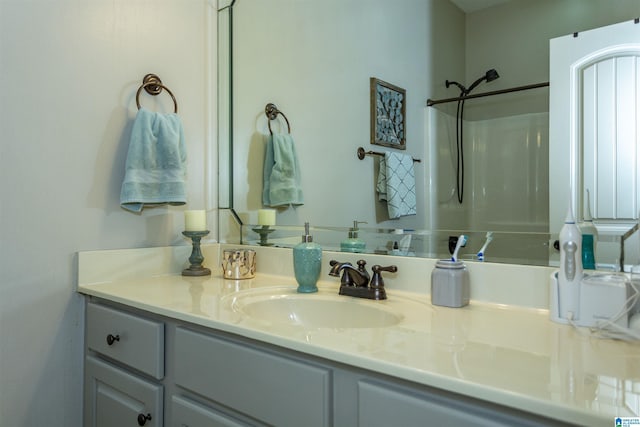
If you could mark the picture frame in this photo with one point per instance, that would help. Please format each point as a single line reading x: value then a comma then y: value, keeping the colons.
x: 388, y: 114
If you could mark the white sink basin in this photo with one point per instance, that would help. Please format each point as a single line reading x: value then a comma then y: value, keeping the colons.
x: 317, y: 310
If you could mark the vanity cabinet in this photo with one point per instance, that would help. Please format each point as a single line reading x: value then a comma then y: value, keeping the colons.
x: 186, y: 375
x: 124, y: 364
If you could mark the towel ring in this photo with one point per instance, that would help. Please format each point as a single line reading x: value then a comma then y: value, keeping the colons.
x: 272, y: 113
x: 153, y: 86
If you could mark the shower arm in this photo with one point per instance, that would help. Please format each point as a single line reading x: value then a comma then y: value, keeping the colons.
x: 474, y: 85
x: 432, y: 102
x: 463, y: 90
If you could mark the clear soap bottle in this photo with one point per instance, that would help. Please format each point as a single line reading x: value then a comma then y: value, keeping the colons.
x: 307, y: 262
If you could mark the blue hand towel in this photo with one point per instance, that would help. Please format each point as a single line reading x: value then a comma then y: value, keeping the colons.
x: 397, y: 184
x: 281, y: 173
x: 155, y: 169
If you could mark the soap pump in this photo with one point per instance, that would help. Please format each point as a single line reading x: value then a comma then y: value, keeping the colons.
x: 589, y: 239
x: 307, y: 262
x: 353, y: 243
x: 571, y: 272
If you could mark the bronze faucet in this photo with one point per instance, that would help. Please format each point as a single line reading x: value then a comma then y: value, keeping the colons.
x: 355, y: 282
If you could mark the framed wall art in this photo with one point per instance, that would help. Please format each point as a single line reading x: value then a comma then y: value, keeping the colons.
x: 388, y: 107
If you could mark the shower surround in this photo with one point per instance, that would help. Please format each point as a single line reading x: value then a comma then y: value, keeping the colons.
x: 506, y: 177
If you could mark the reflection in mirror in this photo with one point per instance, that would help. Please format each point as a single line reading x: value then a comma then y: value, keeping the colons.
x: 314, y: 60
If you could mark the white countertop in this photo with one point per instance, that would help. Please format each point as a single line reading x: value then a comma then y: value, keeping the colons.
x: 509, y: 355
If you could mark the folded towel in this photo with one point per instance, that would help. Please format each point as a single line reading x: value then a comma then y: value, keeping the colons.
x: 155, y: 168
x: 281, y: 174
x: 397, y: 184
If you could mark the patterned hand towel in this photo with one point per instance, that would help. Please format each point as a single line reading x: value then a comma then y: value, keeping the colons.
x: 397, y: 184
x: 155, y: 168
x: 281, y: 173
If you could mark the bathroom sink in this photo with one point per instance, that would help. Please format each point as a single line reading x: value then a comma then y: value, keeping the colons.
x: 317, y: 310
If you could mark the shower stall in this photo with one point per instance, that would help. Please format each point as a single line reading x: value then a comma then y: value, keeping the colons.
x: 489, y: 164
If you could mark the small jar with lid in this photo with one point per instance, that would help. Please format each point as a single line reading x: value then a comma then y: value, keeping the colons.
x: 450, y: 284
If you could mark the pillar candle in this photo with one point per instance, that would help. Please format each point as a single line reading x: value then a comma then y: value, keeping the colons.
x: 266, y: 217
x: 195, y: 220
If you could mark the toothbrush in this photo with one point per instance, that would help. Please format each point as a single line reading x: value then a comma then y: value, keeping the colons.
x: 462, y: 241
x: 484, y: 247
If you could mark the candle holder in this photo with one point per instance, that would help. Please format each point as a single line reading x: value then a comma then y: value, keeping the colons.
x: 264, y: 232
x: 196, y: 258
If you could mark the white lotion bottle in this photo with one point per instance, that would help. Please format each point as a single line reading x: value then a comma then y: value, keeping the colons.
x: 571, y: 272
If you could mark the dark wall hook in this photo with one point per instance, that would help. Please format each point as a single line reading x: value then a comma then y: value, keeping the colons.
x: 152, y: 84
x: 272, y: 113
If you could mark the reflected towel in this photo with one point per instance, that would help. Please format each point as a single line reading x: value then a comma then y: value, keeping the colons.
x: 397, y: 184
x: 155, y: 168
x: 281, y: 174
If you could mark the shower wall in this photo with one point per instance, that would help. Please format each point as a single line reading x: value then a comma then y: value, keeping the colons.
x: 508, y: 175
x: 506, y: 184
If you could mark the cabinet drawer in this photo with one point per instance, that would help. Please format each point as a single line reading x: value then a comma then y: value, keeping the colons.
x: 382, y: 405
x: 274, y: 389
x: 187, y: 413
x: 114, y: 397
x: 132, y: 340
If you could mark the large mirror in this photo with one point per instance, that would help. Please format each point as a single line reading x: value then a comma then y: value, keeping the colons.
x: 314, y: 60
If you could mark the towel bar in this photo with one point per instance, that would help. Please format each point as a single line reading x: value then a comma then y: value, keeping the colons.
x: 362, y: 153
x: 272, y: 113
x: 153, y: 86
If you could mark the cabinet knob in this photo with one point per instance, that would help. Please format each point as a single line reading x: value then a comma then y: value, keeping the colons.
x: 142, y: 419
x: 111, y: 339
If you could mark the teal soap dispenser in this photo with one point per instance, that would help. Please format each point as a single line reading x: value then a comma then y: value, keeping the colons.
x: 353, y: 243
x: 307, y: 262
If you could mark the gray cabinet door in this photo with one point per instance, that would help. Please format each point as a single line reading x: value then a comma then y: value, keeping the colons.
x: 272, y: 388
x: 116, y: 398
x: 187, y: 413
x: 382, y: 405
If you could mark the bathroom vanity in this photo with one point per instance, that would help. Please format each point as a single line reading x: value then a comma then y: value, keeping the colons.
x: 164, y: 349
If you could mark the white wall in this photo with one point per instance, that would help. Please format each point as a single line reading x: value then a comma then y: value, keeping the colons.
x: 69, y: 70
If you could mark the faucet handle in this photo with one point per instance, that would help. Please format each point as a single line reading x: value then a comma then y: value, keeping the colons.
x: 363, y: 271
x: 376, y: 280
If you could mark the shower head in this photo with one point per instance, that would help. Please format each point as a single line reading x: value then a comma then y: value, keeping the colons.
x: 489, y: 76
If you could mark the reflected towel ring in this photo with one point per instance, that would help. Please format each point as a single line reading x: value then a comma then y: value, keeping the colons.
x: 153, y: 86
x: 362, y: 152
x: 272, y: 113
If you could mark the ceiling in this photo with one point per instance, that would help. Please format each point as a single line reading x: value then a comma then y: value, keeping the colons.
x: 469, y: 6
